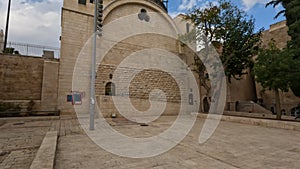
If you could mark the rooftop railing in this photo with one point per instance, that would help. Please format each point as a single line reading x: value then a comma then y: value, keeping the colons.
x: 30, y: 49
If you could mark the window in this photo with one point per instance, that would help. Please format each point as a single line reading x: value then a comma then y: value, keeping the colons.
x: 110, y: 89
x: 83, y: 2
x: 143, y: 11
x: 143, y: 15
x: 187, y: 27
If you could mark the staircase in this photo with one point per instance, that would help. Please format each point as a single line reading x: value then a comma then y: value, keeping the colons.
x: 251, y: 107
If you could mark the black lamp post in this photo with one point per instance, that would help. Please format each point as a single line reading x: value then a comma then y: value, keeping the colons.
x: 7, y: 23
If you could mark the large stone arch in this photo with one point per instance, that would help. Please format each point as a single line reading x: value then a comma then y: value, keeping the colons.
x: 114, y: 6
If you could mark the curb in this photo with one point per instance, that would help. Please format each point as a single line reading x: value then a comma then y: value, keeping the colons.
x: 45, y: 156
x: 287, y: 125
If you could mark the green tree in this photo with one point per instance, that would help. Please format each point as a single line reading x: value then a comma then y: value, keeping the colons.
x: 231, y: 31
x: 291, y: 12
x: 275, y: 3
x: 274, y: 70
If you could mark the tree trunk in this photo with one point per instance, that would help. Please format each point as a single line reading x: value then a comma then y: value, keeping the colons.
x: 277, y: 102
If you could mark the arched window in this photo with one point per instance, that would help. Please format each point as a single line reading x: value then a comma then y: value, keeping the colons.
x: 187, y: 28
x: 110, y: 89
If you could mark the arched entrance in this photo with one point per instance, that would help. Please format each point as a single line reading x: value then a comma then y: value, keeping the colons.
x: 206, y: 105
x: 110, y: 89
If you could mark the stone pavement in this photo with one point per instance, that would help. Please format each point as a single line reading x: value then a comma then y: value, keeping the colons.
x: 20, y: 139
x: 233, y: 145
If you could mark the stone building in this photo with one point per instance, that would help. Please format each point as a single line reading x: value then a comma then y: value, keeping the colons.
x: 247, y: 93
x: 50, y: 82
x: 279, y: 33
x: 77, y: 29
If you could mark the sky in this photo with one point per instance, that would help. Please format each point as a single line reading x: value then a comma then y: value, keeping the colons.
x: 38, y: 21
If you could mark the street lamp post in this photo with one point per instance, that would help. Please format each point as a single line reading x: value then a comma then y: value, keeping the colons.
x: 93, y: 73
x: 6, y: 28
x: 97, y: 32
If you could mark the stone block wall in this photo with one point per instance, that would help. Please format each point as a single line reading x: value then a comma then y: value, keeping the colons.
x: 21, y: 77
x: 28, y: 83
x: 277, y: 32
x: 50, y: 85
x: 107, y: 106
x: 242, y: 89
x: 77, y: 28
x: 142, y: 84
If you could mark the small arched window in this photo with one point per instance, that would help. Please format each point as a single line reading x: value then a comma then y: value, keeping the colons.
x: 187, y: 28
x: 110, y: 89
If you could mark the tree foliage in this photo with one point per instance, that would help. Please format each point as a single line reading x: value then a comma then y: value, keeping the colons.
x: 275, y: 70
x: 273, y: 67
x: 225, y: 25
x: 275, y: 3
x: 292, y: 14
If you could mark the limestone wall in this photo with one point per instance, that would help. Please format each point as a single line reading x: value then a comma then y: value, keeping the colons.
x: 181, y: 23
x: 21, y: 77
x: 142, y: 84
x: 107, y: 107
x: 277, y: 32
x: 242, y: 89
x: 77, y: 28
x: 49, y: 85
x: 28, y: 83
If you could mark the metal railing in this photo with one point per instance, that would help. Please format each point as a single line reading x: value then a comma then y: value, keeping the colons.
x: 31, y: 49
x: 160, y: 3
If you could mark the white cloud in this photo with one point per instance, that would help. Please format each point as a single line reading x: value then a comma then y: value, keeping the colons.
x: 174, y: 14
x: 248, y: 4
x: 33, y: 21
x: 187, y: 4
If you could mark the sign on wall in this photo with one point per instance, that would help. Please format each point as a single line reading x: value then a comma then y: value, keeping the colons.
x: 75, y: 98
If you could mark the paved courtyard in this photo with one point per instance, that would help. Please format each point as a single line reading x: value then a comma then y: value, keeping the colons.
x: 233, y: 145
x: 20, y: 140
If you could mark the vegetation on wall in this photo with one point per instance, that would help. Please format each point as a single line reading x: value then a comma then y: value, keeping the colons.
x: 9, y: 107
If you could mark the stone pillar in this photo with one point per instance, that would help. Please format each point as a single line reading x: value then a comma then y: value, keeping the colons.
x: 49, y: 86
